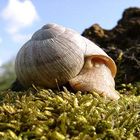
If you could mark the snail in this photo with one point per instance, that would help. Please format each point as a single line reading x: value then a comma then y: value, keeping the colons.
x: 56, y: 55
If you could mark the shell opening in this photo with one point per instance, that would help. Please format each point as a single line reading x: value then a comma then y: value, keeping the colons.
x: 96, y: 76
x: 106, y: 60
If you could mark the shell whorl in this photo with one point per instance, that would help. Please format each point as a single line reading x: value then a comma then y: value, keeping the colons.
x: 53, y: 30
x: 48, y: 31
x: 51, y: 55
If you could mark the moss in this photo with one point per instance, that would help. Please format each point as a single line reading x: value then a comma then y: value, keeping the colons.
x: 58, y: 115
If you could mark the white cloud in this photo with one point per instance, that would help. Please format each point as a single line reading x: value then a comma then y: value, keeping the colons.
x: 19, y: 14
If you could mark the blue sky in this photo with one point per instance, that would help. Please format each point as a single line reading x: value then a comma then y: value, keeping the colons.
x: 19, y: 19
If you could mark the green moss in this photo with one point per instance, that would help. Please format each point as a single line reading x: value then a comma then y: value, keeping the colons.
x: 58, y: 115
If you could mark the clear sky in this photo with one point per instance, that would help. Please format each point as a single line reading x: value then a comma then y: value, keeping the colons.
x: 19, y: 19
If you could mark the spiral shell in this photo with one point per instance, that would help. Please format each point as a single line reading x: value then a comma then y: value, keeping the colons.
x: 56, y: 55
x: 48, y: 57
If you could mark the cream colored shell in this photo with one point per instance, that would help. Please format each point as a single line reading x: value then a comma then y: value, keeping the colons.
x: 49, y: 57
x: 56, y: 55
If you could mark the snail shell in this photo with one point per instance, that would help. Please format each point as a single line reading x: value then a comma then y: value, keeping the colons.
x: 56, y: 55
